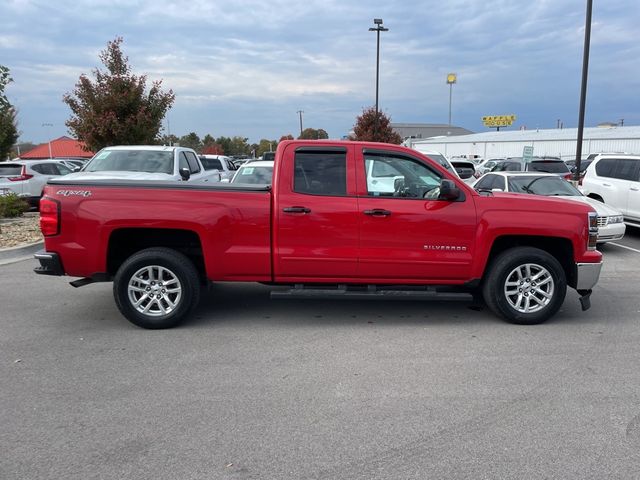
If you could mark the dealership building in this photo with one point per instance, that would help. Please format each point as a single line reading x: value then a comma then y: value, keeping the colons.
x: 554, y: 142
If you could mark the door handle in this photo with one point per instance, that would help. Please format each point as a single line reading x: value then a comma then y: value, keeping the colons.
x: 634, y: 189
x: 377, y: 212
x: 296, y: 210
x: 606, y: 184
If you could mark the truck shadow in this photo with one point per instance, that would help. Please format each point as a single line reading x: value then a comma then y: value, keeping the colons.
x: 229, y: 303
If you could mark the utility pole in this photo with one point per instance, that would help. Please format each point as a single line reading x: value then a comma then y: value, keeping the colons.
x: 300, y: 112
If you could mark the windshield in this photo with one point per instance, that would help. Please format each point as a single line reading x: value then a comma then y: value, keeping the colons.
x: 253, y: 175
x: 151, y: 161
x: 548, y: 166
x: 549, y: 186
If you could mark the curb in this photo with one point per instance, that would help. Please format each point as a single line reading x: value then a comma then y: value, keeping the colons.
x: 17, y: 254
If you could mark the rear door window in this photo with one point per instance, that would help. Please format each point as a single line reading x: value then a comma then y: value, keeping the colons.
x: 604, y: 168
x: 320, y: 173
x: 626, y: 169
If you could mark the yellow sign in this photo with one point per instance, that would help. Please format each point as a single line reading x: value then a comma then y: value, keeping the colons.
x: 451, y: 78
x: 498, y: 120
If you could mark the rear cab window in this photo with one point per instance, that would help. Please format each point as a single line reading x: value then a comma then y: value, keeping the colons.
x: 320, y: 172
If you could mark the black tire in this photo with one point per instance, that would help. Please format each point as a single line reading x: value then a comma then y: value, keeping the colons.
x: 537, y: 298
x: 165, y: 307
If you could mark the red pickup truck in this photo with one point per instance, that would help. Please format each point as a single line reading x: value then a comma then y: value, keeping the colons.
x: 343, y: 218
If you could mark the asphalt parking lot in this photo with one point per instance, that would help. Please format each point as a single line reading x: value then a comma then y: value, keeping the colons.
x: 253, y: 388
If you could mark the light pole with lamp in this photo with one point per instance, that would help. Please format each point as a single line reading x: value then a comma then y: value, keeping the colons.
x: 451, y: 79
x: 378, y: 28
x: 49, y: 137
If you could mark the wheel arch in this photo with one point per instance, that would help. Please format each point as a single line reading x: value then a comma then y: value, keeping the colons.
x: 560, y: 248
x: 125, y: 242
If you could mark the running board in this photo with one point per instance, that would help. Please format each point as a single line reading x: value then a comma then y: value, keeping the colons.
x: 370, y: 292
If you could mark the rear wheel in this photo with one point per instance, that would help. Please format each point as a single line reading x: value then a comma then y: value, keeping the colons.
x: 156, y: 288
x: 525, y: 285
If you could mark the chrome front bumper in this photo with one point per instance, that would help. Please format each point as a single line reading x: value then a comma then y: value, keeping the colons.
x: 587, y: 275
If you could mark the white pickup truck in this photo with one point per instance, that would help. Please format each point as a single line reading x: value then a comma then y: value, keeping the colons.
x: 146, y: 162
x: 222, y: 163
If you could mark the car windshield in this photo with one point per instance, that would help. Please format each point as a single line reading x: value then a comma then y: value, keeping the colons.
x: 549, y: 186
x: 10, y: 170
x: 548, y: 166
x: 253, y: 175
x: 151, y: 161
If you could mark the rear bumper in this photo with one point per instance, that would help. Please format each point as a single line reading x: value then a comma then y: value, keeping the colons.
x: 49, y: 263
x: 587, y: 275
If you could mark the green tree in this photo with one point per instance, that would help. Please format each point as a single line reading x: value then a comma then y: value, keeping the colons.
x: 266, y: 146
x: 367, y: 130
x: 116, y: 108
x: 8, y: 124
x: 225, y: 143
x: 313, y: 134
x: 239, y: 146
x: 168, y: 140
x: 191, y: 140
x: 21, y: 148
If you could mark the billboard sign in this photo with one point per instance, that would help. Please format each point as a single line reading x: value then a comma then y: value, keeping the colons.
x: 498, y: 120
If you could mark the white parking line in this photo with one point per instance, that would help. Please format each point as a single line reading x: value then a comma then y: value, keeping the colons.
x: 624, y: 246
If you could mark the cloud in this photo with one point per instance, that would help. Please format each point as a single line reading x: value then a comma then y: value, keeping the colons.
x: 255, y: 63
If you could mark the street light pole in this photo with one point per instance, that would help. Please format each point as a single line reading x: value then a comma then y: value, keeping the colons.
x: 49, y: 137
x: 583, y: 88
x: 451, y: 79
x: 378, y: 28
x: 300, y: 112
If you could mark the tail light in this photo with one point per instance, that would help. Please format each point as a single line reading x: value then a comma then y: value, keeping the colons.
x: 49, y: 216
x: 593, y: 231
x: 568, y: 176
x: 23, y: 176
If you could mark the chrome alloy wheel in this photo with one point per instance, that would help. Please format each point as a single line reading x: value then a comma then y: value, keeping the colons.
x: 529, y: 288
x: 154, y: 291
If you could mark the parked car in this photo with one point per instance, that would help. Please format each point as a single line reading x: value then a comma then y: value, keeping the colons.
x: 258, y: 172
x: 222, y: 163
x: 610, y: 223
x: 27, y: 178
x: 465, y: 169
x: 486, y: 166
x: 615, y: 180
x: 462, y: 171
x: 73, y: 163
x: 142, y: 162
x: 537, y: 164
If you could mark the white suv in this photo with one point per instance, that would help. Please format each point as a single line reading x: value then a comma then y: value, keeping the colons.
x: 26, y: 178
x: 615, y: 180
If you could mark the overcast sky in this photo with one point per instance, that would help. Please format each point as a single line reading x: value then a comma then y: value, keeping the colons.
x: 245, y: 67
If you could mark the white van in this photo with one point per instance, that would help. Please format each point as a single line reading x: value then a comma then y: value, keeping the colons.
x: 615, y: 180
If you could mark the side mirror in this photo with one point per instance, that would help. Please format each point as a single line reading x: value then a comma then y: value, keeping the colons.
x: 185, y: 174
x: 448, y: 190
x: 398, y: 184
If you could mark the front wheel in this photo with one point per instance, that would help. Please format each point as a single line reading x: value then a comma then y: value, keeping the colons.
x: 156, y: 288
x: 525, y: 285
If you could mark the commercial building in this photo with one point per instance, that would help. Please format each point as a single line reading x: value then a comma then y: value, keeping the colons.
x: 553, y: 142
